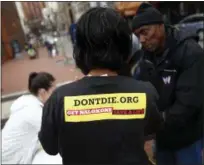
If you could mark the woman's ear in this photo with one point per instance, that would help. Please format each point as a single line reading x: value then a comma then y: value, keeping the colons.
x: 41, y: 92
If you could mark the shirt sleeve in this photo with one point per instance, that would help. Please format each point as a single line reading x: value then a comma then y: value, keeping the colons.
x: 48, y: 134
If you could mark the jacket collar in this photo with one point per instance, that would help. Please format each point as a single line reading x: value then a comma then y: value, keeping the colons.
x: 37, y: 100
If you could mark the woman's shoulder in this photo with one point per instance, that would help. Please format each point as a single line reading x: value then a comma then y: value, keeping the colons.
x: 25, y: 101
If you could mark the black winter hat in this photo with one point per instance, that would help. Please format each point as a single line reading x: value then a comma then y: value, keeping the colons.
x: 146, y: 15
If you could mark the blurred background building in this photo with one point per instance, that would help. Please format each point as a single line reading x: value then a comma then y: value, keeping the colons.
x: 20, y: 18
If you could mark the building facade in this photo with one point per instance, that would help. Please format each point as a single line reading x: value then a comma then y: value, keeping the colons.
x: 11, y: 29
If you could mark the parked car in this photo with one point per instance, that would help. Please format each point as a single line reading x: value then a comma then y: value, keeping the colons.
x: 193, y: 23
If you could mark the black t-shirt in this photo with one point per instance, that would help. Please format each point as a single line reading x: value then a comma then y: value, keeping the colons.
x: 100, y: 120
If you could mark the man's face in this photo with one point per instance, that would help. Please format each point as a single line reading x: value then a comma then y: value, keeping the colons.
x: 151, y: 36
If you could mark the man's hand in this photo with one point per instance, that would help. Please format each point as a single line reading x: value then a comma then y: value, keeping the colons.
x: 148, y: 147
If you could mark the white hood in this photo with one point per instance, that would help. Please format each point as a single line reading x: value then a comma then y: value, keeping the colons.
x: 20, y: 134
x: 24, y: 101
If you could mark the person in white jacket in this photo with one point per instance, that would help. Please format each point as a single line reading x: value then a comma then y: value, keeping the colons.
x: 20, y: 141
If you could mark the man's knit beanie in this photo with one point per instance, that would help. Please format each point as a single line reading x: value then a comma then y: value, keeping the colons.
x: 146, y: 15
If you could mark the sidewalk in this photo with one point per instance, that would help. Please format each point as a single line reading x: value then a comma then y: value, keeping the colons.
x: 15, y: 72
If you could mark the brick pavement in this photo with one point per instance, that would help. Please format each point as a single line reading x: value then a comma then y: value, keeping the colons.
x: 15, y: 72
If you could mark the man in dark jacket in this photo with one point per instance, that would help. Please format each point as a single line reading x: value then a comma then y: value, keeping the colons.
x: 173, y: 62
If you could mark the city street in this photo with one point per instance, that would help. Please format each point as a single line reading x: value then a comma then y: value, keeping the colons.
x: 39, y: 37
x: 63, y: 73
x: 15, y: 72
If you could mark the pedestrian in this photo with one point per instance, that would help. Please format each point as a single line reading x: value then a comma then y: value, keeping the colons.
x: 49, y: 44
x: 103, y: 117
x: 20, y: 133
x: 173, y: 62
x: 72, y: 32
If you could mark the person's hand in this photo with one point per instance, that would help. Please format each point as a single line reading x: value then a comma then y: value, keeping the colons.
x: 127, y: 8
x: 148, y: 147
